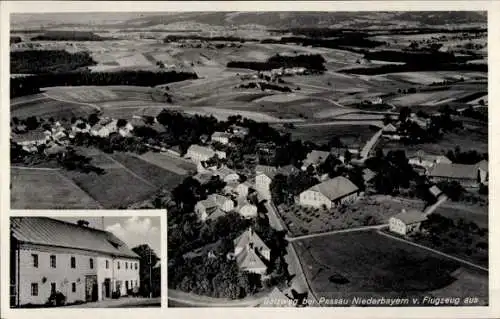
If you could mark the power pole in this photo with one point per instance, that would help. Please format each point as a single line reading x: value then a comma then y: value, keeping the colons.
x: 150, y: 279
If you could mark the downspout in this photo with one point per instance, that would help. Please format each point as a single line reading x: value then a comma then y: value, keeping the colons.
x: 18, y: 269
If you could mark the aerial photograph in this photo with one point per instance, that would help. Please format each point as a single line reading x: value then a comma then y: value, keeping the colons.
x: 303, y: 159
x: 85, y: 262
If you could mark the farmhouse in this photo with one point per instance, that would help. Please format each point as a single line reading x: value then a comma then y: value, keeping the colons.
x: 239, y: 131
x: 391, y: 132
x: 330, y: 193
x: 83, y: 263
x: 466, y: 175
x: 199, y: 153
x: 263, y: 178
x: 31, y: 139
x: 251, y: 253
x: 227, y: 175
x: 104, y: 128
x: 406, y: 222
x: 427, y: 161
x: 80, y: 127
x: 221, y: 137
x: 213, y: 207
x: 248, y: 211
x: 314, y: 158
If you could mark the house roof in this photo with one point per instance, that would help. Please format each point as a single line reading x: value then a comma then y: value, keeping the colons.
x: 248, y: 258
x: 411, y: 217
x: 208, y: 203
x: 435, y: 191
x: 390, y: 128
x: 201, y: 150
x: 287, y: 170
x: 137, y: 122
x: 483, y: 165
x: 219, y: 200
x: 315, y: 157
x: 247, y: 237
x: 459, y: 171
x: 215, y: 212
x: 248, y: 210
x: 368, y: 174
x: 269, y: 171
x: 35, y: 135
x: 224, y: 172
x: 221, y: 134
x: 53, y: 232
x: 433, y: 158
x: 335, y: 188
x: 203, y: 177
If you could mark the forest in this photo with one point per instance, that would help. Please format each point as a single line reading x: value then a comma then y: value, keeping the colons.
x: 313, y: 62
x: 46, y: 61
x: 31, y: 84
x: 68, y: 36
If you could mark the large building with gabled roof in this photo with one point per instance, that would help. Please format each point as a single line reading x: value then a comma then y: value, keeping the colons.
x: 330, y: 193
x: 83, y: 263
x: 251, y: 253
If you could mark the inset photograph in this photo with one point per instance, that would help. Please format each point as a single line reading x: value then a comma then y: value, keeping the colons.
x: 87, y: 262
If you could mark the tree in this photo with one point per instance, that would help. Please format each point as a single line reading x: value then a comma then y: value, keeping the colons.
x: 404, y: 113
x: 347, y: 156
x: 150, y: 280
x: 121, y: 123
x: 93, y: 119
x: 481, y: 102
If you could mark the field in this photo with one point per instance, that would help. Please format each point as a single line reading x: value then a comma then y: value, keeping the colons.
x: 95, y: 94
x: 46, y: 189
x: 364, y: 212
x: 46, y: 107
x: 127, y: 179
x: 169, y: 162
x: 348, y: 134
x: 466, y: 139
x: 474, y: 213
x: 368, y: 264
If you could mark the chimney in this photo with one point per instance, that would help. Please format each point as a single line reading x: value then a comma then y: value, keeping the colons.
x: 82, y: 223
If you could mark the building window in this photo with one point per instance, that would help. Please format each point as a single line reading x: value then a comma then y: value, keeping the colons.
x: 35, y: 260
x: 73, y: 287
x: 34, y: 289
x: 126, y: 265
x: 91, y: 261
x: 107, y: 264
x: 118, y: 265
x: 53, y: 288
x: 53, y: 261
x: 136, y: 266
x: 73, y: 262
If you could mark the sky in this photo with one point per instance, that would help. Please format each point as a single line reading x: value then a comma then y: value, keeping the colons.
x: 133, y: 230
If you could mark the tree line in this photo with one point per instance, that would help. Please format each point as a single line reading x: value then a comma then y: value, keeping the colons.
x: 313, y: 62
x: 32, y: 84
x: 68, y: 36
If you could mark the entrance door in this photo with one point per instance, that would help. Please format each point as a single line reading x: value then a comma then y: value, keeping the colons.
x: 91, y: 288
x: 126, y: 287
x: 107, y: 288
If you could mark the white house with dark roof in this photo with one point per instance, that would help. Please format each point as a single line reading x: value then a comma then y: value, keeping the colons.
x: 83, y: 263
x: 251, y: 253
x: 330, y: 193
x: 263, y: 177
x: 406, y: 222
x: 198, y: 153
x: 221, y: 137
x: 227, y: 175
x: 213, y: 207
